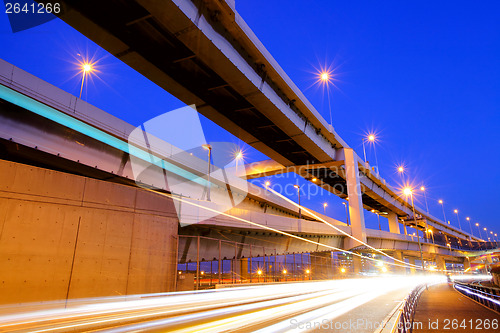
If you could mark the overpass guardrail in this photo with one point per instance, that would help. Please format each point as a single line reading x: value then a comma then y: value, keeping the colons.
x: 488, y: 296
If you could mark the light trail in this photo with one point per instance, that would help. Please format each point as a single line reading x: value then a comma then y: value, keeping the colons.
x: 289, y: 234
x: 340, y: 230
x: 248, y: 308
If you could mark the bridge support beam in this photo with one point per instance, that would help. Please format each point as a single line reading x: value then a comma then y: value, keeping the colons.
x: 466, y: 264
x: 355, y: 201
x: 244, y: 269
x: 411, y: 261
x: 398, y: 269
x: 393, y: 223
x: 356, y: 265
x: 440, y: 263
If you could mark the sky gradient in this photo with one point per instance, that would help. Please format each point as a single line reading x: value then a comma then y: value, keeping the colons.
x: 423, y: 76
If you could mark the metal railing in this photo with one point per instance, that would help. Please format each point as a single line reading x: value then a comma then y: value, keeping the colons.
x: 405, y: 323
x: 487, y: 296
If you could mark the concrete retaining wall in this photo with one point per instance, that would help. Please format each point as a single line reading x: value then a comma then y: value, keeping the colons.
x: 65, y: 236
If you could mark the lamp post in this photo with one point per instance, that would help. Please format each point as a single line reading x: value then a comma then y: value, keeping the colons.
x: 325, y: 77
x: 324, y: 207
x: 346, y: 212
x: 379, y: 226
x: 401, y: 171
x: 209, y: 148
x: 87, y: 68
x: 458, y: 219
x: 479, y: 229
x: 298, y: 192
x: 408, y: 191
x: 432, y: 235
x: 371, y: 138
x: 422, y: 188
x: 470, y: 224
x: 442, y: 206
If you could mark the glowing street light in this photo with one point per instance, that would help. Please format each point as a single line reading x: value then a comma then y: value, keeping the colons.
x: 346, y: 211
x: 422, y: 188
x: 479, y: 229
x: 442, y: 206
x: 267, y: 183
x: 459, y: 225
x: 209, y: 148
x: 429, y: 231
x: 470, y: 224
x: 325, y: 78
x: 86, y: 68
x: 298, y: 192
x: 324, y: 207
x: 370, y: 138
x: 409, y: 192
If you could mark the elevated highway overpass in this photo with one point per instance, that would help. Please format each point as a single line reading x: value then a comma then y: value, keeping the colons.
x: 203, y: 53
x: 38, y: 129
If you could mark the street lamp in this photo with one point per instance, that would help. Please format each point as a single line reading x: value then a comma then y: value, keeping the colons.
x: 408, y: 192
x: 298, y: 192
x: 479, y: 229
x: 346, y: 211
x: 325, y: 78
x: 86, y: 68
x: 324, y: 207
x: 378, y: 215
x: 401, y: 171
x: 432, y: 235
x: 209, y: 148
x: 459, y: 225
x: 422, y: 188
x: 470, y: 224
x: 238, y: 156
x: 442, y: 206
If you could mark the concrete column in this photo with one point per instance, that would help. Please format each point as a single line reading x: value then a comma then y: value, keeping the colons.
x: 244, y: 269
x: 356, y: 265
x: 411, y: 261
x: 355, y: 201
x: 440, y: 263
x: 466, y: 264
x: 398, y: 269
x: 393, y: 223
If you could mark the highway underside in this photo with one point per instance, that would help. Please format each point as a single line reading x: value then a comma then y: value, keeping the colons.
x: 350, y: 305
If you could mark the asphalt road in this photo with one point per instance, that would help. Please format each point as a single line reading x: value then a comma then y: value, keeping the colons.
x: 286, y: 307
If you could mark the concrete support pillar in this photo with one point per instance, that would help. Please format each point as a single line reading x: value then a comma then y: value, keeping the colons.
x: 393, y: 223
x: 466, y: 264
x: 244, y: 269
x: 398, y: 269
x: 356, y: 265
x: 489, y: 260
x: 440, y: 263
x: 355, y: 201
x: 321, y: 265
x: 413, y: 269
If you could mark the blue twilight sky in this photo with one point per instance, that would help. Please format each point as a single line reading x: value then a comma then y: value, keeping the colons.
x: 424, y: 76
